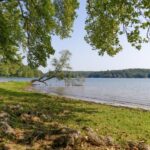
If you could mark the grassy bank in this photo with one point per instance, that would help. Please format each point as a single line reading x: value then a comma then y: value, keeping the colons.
x: 122, y: 124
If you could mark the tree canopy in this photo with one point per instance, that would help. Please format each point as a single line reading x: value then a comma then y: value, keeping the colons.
x: 61, y: 68
x: 18, y: 70
x: 107, y: 19
x: 30, y: 24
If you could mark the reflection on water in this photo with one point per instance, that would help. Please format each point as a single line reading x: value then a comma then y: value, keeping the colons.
x: 131, y: 92
x: 5, y: 79
x: 59, y: 90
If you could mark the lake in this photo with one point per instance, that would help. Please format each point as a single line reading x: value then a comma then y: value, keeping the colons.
x: 115, y: 91
x: 4, y: 79
x: 127, y: 92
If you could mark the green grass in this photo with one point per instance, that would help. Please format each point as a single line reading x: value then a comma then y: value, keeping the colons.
x: 122, y: 124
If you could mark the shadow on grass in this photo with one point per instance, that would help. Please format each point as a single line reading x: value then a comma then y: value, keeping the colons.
x: 57, y: 111
x: 39, y: 101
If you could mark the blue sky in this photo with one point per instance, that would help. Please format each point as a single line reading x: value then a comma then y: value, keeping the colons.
x: 84, y: 58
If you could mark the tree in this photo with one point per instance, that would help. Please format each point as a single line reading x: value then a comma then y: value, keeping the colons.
x: 107, y: 19
x: 8, y: 69
x: 30, y: 24
x: 18, y: 70
x: 61, y: 68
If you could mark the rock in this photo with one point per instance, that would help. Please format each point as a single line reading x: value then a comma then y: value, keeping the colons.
x: 148, y: 147
x: 26, y: 117
x: 4, y: 116
x: 143, y: 146
x: 46, y: 147
x: 35, y: 119
x: 61, y: 141
x: 19, y: 134
x: 88, y: 129
x: 4, y: 147
x: 65, y: 141
x: 109, y: 141
x: 137, y: 146
x: 15, y: 107
x: 93, y: 138
x: 117, y: 147
x: 132, y: 145
x: 72, y: 139
x: 6, y: 128
x: 68, y: 131
x: 45, y: 117
x: 1, y: 139
x: 68, y: 139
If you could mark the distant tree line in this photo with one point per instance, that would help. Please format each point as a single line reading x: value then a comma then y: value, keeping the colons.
x: 13, y: 70
x: 127, y: 73
x: 17, y: 70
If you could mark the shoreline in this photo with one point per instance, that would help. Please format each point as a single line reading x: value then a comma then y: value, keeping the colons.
x: 114, y: 103
x: 90, y: 100
x: 97, y: 101
x: 49, y: 111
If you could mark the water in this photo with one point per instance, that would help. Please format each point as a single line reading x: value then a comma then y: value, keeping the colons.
x: 126, y: 92
x: 5, y: 79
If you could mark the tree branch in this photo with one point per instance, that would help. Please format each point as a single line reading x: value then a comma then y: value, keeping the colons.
x: 21, y: 9
x: 148, y: 32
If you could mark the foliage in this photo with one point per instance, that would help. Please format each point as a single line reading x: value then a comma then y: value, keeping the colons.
x: 61, y: 67
x: 108, y: 19
x: 18, y: 70
x: 62, y: 64
x: 127, y: 73
x: 30, y: 24
x: 11, y: 34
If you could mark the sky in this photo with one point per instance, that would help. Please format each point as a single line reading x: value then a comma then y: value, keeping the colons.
x: 85, y: 59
